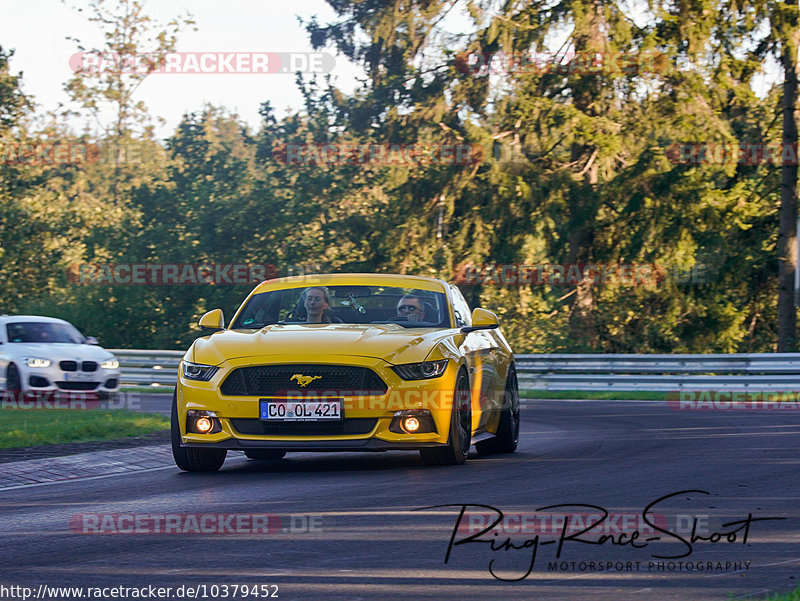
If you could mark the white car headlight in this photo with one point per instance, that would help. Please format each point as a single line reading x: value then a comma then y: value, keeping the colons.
x: 198, y: 371
x: 110, y: 364
x: 37, y: 362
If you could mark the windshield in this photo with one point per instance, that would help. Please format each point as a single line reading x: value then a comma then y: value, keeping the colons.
x: 38, y: 331
x: 408, y: 307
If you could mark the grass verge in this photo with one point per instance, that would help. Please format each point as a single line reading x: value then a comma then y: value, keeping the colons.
x: 790, y: 596
x: 149, y: 389
x: 596, y: 396
x: 20, y: 428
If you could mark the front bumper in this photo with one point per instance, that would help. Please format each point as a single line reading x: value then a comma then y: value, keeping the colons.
x: 52, y: 379
x: 367, y: 418
x: 371, y: 444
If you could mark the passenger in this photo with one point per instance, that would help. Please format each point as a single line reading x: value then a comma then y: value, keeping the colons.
x: 411, y: 308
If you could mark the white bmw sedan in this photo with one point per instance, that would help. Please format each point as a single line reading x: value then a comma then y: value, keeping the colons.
x: 48, y: 355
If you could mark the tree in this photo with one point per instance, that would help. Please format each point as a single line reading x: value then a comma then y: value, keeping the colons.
x: 108, y: 77
x: 786, y: 30
x: 591, y: 181
x: 14, y: 107
x: 135, y: 46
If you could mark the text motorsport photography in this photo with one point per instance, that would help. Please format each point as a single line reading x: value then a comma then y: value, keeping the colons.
x: 513, y: 541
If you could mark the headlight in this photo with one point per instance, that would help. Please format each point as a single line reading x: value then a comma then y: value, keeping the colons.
x: 110, y: 364
x: 37, y: 362
x: 421, y: 371
x: 198, y: 371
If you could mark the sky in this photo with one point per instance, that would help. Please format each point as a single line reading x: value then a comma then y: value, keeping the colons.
x: 37, y: 31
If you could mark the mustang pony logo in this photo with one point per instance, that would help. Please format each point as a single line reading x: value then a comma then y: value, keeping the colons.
x: 303, y: 380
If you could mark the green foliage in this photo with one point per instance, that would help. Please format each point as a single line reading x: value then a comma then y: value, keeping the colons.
x: 572, y: 164
x: 591, y: 182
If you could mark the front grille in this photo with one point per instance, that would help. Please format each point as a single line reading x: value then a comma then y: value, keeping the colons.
x: 68, y: 366
x: 89, y: 366
x: 269, y: 380
x: 77, y: 385
x: 353, y: 425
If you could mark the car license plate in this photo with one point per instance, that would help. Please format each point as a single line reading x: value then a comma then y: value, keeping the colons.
x: 291, y: 410
x: 77, y: 377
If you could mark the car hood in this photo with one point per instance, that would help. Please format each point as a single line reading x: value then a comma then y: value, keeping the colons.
x: 390, y: 342
x: 57, y: 351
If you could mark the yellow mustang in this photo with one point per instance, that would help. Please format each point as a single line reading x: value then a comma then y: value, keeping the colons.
x: 346, y: 362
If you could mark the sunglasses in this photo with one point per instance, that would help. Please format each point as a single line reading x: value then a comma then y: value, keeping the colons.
x: 404, y: 308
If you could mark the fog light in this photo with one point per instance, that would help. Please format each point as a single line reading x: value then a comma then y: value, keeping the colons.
x: 411, y: 424
x: 202, y: 422
x: 203, y: 425
x: 39, y: 382
x: 412, y: 421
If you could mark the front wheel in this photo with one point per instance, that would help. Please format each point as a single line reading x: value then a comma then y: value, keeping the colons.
x: 507, y: 437
x: 191, y: 459
x: 13, y: 381
x: 460, y: 435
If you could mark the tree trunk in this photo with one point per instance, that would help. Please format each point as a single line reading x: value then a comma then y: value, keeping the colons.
x: 787, y: 238
x: 582, y: 200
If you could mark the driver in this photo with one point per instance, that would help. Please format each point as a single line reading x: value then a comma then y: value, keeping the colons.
x: 411, y: 308
x: 317, y: 304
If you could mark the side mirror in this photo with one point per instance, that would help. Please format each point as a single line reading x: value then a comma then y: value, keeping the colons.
x: 482, y: 319
x: 213, y: 321
x: 91, y: 340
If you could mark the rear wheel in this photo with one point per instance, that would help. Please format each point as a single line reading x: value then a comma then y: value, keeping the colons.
x: 460, y: 435
x: 508, y: 429
x: 265, y: 454
x: 191, y: 459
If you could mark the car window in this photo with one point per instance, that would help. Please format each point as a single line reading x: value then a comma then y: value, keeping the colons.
x: 38, y: 331
x: 460, y: 308
x: 349, y: 305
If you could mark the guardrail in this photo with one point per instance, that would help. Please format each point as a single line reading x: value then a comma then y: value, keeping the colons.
x: 593, y: 372
x: 148, y: 368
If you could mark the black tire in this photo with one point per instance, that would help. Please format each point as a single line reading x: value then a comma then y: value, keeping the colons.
x: 507, y: 437
x: 191, y: 459
x: 460, y: 435
x: 13, y: 382
x: 108, y: 397
x: 265, y: 454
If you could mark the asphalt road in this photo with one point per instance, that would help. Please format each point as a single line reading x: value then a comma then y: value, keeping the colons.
x: 142, y: 401
x: 346, y: 528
